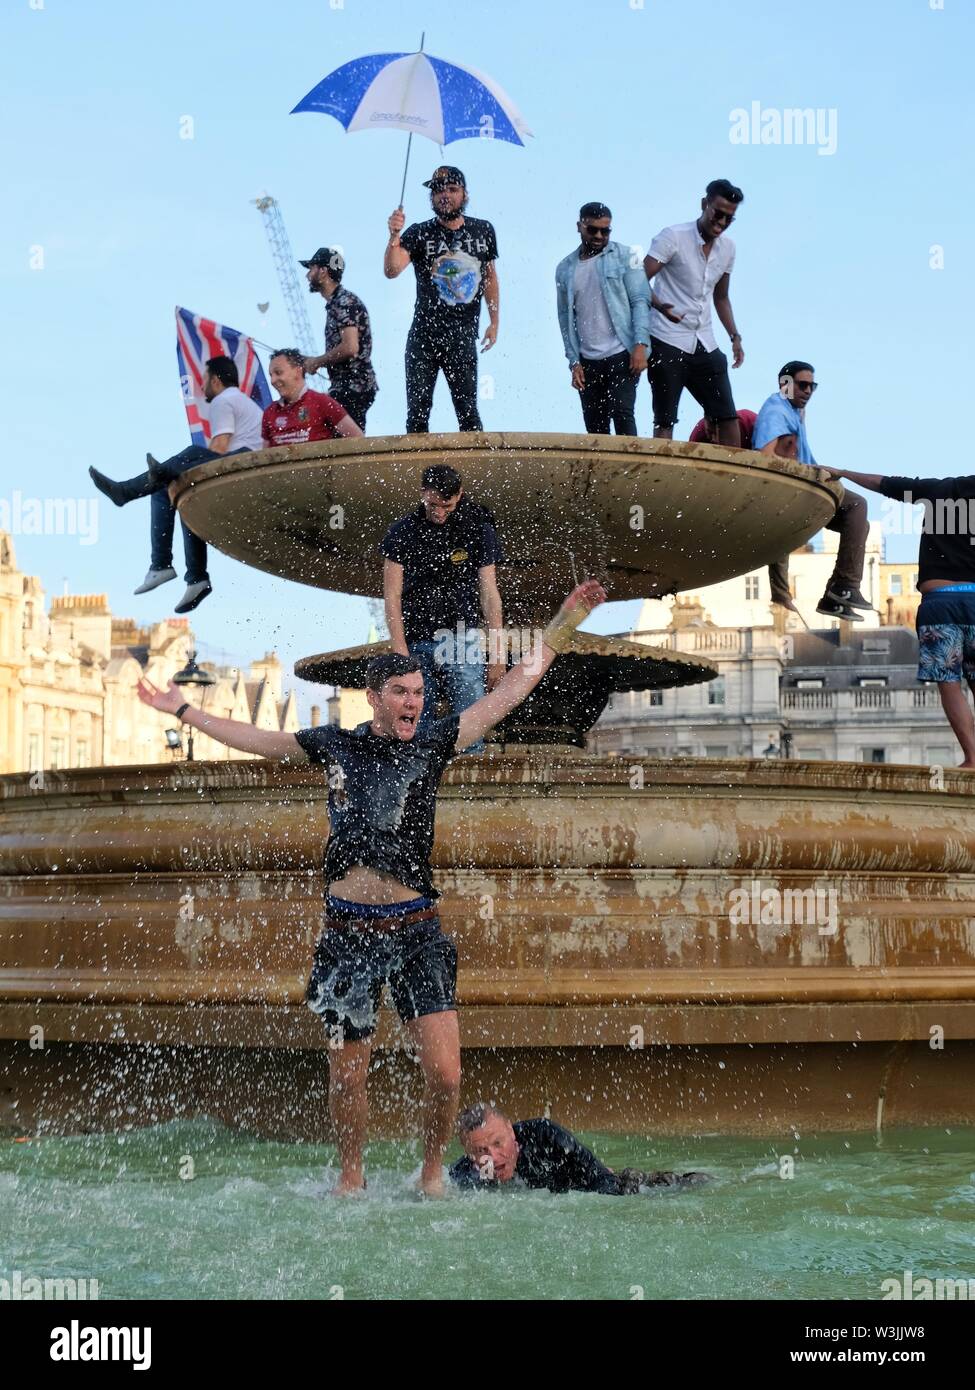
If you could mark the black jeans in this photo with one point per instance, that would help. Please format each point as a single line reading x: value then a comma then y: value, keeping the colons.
x: 356, y: 403
x: 609, y: 394
x: 453, y: 351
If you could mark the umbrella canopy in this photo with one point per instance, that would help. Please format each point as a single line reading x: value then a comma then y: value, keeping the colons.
x: 419, y: 93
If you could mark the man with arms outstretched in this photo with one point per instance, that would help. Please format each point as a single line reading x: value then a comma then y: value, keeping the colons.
x: 381, y: 920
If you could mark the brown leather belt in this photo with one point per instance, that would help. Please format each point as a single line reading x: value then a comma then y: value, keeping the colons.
x: 404, y: 919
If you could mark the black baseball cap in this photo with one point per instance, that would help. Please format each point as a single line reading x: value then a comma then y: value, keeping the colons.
x: 331, y: 260
x: 447, y: 173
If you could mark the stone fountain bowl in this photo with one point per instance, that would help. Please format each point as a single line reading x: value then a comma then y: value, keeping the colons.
x: 650, y: 516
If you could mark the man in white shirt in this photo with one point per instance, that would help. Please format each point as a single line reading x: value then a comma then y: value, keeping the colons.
x: 235, y: 428
x: 692, y: 263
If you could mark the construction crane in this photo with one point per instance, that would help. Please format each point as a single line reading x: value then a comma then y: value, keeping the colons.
x: 295, y: 296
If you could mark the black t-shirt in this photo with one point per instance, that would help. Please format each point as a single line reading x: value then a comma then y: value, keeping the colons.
x: 382, y: 798
x: 946, y: 549
x: 441, y: 564
x: 449, y: 268
x: 549, y: 1156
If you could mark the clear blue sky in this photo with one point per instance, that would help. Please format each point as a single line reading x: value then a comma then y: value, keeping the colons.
x: 628, y: 105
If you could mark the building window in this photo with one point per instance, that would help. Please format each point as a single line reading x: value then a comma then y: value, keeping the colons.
x: 940, y: 756
x: 874, y: 755
x: 751, y: 586
x: 35, y: 754
x: 716, y: 691
x: 896, y: 585
x: 809, y: 685
x: 813, y: 755
x: 81, y: 756
x: 873, y: 680
x: 715, y: 751
x: 653, y: 697
x: 58, y: 752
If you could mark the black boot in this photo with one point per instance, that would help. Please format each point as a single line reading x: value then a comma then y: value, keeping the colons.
x: 129, y: 491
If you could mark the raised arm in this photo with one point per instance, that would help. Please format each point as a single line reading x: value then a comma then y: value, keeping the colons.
x: 397, y: 258
x: 490, y: 594
x: 521, y: 680
x: 265, y: 743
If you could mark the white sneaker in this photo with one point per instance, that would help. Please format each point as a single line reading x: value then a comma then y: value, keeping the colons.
x: 154, y: 578
x: 194, y: 596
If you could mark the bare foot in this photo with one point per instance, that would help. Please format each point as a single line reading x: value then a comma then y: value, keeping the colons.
x: 966, y: 765
x: 431, y: 1187
x: 349, y: 1187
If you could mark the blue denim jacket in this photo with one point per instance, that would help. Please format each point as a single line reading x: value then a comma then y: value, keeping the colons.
x: 627, y: 292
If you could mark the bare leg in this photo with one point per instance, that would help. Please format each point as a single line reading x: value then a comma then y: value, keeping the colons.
x: 437, y: 1039
x: 955, y: 704
x: 349, y: 1108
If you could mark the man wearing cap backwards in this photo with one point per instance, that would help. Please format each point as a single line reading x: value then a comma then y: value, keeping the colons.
x: 348, y: 336
x: 381, y: 921
x: 453, y: 257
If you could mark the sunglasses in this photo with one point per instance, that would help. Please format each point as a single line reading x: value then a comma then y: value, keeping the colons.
x: 596, y: 231
x: 809, y: 386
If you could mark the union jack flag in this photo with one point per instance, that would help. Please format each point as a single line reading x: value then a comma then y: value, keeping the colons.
x: 198, y: 339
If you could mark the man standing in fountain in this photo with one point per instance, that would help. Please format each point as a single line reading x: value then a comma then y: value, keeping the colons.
x: 381, y: 923
x: 453, y: 257
x: 439, y: 575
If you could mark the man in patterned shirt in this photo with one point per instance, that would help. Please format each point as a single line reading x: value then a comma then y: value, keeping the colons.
x: 348, y: 337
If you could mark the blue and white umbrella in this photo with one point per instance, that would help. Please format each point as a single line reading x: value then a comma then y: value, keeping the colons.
x: 418, y: 93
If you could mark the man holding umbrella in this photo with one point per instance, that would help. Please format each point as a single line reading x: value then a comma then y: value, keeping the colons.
x: 453, y: 257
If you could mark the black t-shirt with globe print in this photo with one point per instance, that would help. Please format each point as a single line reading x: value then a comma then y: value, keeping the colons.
x: 449, y: 267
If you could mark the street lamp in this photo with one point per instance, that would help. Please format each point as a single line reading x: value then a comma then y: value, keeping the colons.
x: 193, y: 675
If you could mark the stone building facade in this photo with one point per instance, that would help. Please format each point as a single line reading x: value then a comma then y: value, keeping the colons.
x: 68, y: 679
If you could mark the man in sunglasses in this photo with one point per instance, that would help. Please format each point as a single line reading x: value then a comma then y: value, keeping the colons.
x: 781, y: 429
x: 691, y: 266
x: 604, y: 315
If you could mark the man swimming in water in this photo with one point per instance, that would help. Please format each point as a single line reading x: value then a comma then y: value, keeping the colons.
x: 381, y: 923
x: 540, y: 1153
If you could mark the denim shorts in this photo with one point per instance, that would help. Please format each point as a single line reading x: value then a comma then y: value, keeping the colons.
x: 353, y: 961
x: 946, y: 634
